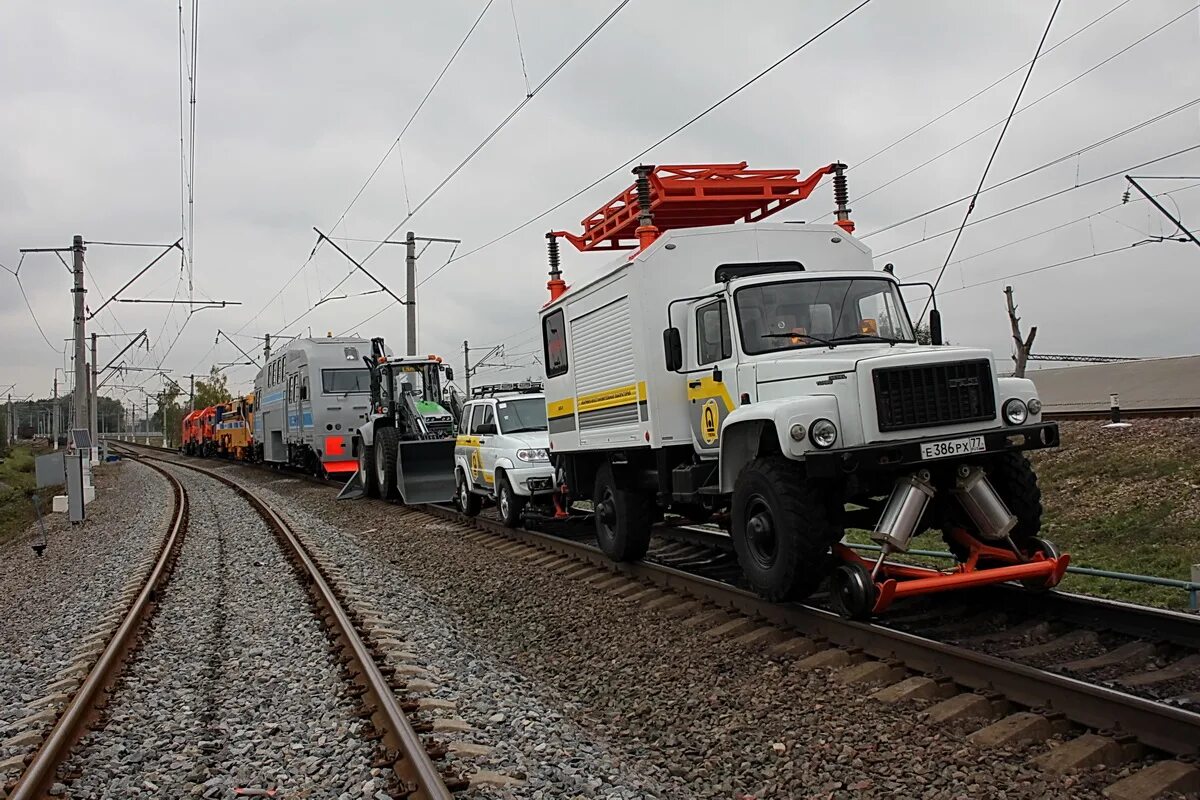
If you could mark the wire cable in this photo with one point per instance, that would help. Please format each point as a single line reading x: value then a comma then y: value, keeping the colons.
x: 696, y: 118
x: 1035, y: 201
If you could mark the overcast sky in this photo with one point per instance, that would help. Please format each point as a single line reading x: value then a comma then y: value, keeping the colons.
x: 298, y: 101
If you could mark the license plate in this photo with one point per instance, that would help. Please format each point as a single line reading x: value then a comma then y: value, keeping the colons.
x: 952, y: 447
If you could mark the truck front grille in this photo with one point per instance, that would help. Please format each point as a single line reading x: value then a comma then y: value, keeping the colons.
x: 934, y: 394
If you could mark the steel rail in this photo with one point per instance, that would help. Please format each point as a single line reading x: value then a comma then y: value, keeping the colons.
x: 414, y: 764
x: 80, y: 711
x: 1165, y: 412
x: 1168, y: 728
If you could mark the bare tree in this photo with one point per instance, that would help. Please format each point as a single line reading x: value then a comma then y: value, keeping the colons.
x: 1021, y: 346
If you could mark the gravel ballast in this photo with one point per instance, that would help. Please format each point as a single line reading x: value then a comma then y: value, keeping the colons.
x: 50, y: 603
x: 234, y: 684
x: 632, y: 701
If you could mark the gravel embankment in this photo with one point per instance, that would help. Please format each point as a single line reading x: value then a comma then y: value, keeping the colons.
x: 50, y: 603
x: 631, y: 703
x: 234, y: 684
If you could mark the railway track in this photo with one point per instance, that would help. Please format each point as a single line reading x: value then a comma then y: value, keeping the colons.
x: 1041, y: 664
x: 402, y: 747
x: 1171, y: 412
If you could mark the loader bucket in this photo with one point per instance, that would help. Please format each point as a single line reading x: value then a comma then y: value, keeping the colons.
x: 425, y: 472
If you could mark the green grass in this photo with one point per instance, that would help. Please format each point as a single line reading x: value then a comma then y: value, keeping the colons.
x: 17, y: 476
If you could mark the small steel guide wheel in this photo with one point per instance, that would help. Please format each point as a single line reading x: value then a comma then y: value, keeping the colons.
x: 852, y: 592
x: 1048, y: 551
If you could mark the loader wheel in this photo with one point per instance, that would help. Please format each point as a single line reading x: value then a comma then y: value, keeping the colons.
x: 387, y: 446
x: 1014, y: 480
x: 510, y: 503
x: 782, y: 529
x: 366, y: 469
x: 469, y: 503
x: 623, y: 518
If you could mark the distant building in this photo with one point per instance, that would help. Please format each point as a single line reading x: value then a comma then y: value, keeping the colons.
x: 1149, y: 383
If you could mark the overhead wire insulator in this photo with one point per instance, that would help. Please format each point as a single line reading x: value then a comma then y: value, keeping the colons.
x: 646, y: 230
x: 841, y: 197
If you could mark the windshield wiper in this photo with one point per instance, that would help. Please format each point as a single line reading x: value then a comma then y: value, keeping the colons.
x: 869, y: 336
x: 526, y: 429
x: 798, y: 336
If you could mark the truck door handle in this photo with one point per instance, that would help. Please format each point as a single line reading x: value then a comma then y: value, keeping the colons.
x: 693, y: 384
x: 481, y: 441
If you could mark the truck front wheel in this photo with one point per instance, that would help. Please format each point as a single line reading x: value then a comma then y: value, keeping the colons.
x: 623, y: 518
x: 782, y: 529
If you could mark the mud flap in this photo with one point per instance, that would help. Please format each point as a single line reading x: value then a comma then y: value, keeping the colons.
x: 425, y: 471
x: 353, y: 490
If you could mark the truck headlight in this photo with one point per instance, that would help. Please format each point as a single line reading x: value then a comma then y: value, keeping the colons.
x: 1015, y: 411
x: 533, y: 454
x: 823, y: 433
x: 1034, y: 405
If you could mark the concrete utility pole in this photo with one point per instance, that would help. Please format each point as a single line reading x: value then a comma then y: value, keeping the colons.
x: 467, y: 367
x: 79, y: 290
x: 94, y: 395
x: 8, y: 420
x: 192, y: 391
x: 410, y: 289
x: 266, y: 348
x: 1022, y: 347
x: 54, y: 412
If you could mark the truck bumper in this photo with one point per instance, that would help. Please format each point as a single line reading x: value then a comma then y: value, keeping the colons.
x: 530, y: 481
x: 895, y: 456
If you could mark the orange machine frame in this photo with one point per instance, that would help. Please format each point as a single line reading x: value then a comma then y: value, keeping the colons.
x: 694, y: 195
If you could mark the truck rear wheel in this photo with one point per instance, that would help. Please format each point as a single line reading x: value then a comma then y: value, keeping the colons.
x: 623, y: 518
x: 782, y: 529
x: 387, y: 445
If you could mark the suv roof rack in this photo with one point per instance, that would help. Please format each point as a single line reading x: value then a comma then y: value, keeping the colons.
x: 520, y: 387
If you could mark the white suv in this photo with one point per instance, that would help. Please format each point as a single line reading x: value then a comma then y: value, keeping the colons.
x: 502, y: 451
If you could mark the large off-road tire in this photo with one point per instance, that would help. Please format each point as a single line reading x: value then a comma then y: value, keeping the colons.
x: 623, y: 518
x: 1013, y: 478
x: 387, y: 447
x: 782, y: 529
x: 469, y: 503
x: 366, y: 469
x: 509, y: 503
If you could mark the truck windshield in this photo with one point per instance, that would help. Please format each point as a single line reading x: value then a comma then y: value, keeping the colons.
x: 518, y: 416
x: 345, y: 381
x: 820, y: 312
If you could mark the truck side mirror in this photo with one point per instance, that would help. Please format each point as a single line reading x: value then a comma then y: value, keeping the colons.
x: 935, y: 326
x: 449, y: 374
x: 673, y: 349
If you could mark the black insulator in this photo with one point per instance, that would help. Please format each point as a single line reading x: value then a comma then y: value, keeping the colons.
x: 841, y: 193
x: 643, y: 190
x: 552, y: 248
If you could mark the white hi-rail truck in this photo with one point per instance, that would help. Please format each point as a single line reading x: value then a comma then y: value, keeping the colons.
x: 768, y: 372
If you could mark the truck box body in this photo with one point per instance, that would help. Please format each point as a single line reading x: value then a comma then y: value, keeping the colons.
x: 616, y: 391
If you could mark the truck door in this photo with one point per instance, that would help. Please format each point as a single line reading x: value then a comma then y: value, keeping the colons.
x: 713, y: 386
x: 489, y: 441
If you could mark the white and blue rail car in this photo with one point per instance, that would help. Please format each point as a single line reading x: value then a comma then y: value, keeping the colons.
x: 313, y: 394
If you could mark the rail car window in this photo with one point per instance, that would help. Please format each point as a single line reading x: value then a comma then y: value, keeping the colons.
x: 554, y: 336
x: 713, y: 338
x: 345, y: 381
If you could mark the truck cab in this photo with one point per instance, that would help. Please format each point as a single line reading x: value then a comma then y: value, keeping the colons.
x: 501, y: 455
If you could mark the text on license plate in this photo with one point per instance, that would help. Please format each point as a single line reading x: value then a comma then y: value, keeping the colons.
x: 952, y: 447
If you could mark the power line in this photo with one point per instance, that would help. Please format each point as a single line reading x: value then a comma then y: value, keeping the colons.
x: 1049, y: 94
x: 696, y: 118
x: 414, y: 114
x: 1053, y: 162
x: 991, y: 159
x: 1026, y: 204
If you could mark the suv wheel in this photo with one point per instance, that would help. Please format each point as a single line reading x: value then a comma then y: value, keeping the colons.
x: 511, y: 504
x: 469, y: 503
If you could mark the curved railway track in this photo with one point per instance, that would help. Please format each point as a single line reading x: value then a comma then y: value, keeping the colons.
x: 420, y: 776
x: 1007, y: 657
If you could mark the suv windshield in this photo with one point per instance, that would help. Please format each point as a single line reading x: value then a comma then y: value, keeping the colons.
x: 517, y: 416
x: 820, y: 312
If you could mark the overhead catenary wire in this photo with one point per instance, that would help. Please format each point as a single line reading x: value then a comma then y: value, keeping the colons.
x: 662, y: 140
x: 1028, y: 203
x: 1030, y: 105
